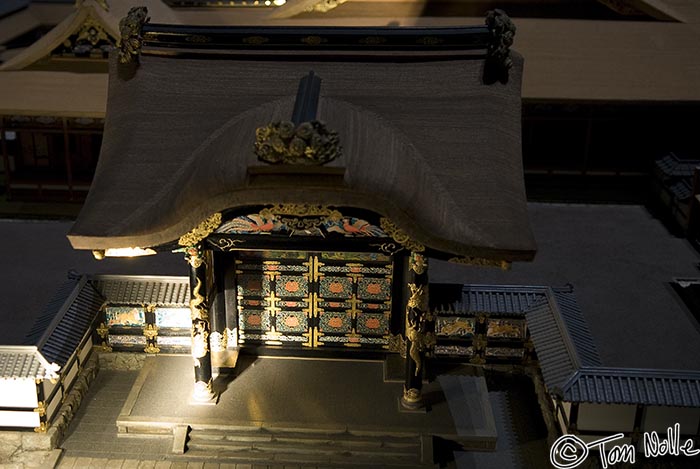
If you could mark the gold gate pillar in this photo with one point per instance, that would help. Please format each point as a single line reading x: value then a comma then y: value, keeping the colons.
x: 199, y: 310
x: 420, y: 331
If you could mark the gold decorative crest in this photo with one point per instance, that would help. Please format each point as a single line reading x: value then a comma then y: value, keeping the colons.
x: 309, y: 143
x: 201, y: 231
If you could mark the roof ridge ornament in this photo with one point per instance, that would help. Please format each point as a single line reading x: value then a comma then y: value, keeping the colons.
x: 131, y: 41
x: 303, y: 140
x: 498, y: 61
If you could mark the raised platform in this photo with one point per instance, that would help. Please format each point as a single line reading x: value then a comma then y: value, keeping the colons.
x: 306, y: 410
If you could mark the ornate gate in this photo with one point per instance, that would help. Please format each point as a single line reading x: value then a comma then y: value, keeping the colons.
x: 314, y: 299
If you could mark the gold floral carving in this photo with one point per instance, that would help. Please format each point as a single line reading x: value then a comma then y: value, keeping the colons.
x: 200, y: 339
x: 130, y: 29
x: 301, y: 210
x: 397, y: 344
x: 150, y: 348
x: 150, y: 331
x: 418, y: 263
x: 309, y: 143
x: 481, y: 262
x: 201, y: 231
x: 400, y: 235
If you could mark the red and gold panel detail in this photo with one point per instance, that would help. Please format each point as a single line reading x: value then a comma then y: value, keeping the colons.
x: 273, y: 298
x: 376, y: 289
x: 325, y: 299
x: 338, y: 322
x: 354, y: 300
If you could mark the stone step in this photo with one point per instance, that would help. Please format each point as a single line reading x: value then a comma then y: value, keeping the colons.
x: 316, y: 439
x: 267, y: 446
x: 273, y: 446
x: 336, y: 461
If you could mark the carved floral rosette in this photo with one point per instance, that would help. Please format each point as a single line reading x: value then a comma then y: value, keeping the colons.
x: 310, y: 143
x: 130, y: 31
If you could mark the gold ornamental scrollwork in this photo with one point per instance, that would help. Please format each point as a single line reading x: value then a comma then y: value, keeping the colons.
x: 197, y: 310
x: 400, y: 236
x: 481, y: 262
x: 201, y: 231
x: 225, y: 244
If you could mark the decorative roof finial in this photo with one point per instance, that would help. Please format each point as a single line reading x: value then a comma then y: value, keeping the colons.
x: 303, y: 140
x: 130, y: 30
x: 498, y: 60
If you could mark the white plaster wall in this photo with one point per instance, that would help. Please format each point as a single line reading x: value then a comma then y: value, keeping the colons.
x: 660, y: 418
x: 606, y: 417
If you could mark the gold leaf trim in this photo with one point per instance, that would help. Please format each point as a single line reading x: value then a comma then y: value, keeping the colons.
x: 201, y: 231
x: 481, y: 262
x: 400, y: 236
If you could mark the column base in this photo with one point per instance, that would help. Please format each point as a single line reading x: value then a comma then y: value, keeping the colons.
x: 203, y: 394
x: 412, y: 400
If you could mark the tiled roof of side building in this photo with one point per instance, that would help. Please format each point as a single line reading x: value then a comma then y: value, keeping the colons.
x: 673, y: 166
x: 139, y: 290
x: 498, y: 299
x: 66, y: 319
x: 24, y: 362
x: 561, y: 337
x: 679, y: 388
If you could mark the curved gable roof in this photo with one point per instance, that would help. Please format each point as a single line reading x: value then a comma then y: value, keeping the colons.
x: 425, y: 143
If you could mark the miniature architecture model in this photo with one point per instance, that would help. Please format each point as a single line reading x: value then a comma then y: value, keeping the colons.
x: 307, y: 175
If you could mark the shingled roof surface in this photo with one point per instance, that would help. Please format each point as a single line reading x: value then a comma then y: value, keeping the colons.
x: 60, y: 328
x: 425, y: 143
x: 498, y: 299
x: 139, y: 290
x: 634, y: 386
x: 24, y: 362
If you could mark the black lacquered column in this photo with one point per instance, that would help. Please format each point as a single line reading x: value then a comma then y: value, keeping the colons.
x: 201, y: 329
x: 420, y: 335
